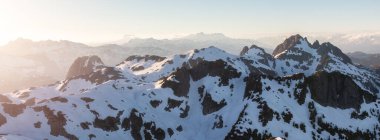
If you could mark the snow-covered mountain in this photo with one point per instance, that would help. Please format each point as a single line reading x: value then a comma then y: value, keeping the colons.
x: 368, y: 42
x: 35, y: 63
x: 301, y: 91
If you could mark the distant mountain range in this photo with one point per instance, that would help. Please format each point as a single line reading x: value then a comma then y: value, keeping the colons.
x: 303, y: 90
x: 27, y: 63
x: 195, y: 41
x: 365, y: 59
x: 365, y: 42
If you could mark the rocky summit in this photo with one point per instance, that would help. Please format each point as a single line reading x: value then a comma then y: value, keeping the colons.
x: 84, y: 65
x: 301, y: 91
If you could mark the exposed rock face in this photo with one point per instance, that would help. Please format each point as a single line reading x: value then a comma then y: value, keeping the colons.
x: 108, y: 124
x: 181, y: 86
x: 102, y: 75
x: 98, y: 76
x: 244, y: 50
x: 56, y: 122
x: 337, y: 90
x: 59, y: 99
x: 210, y: 106
x: 287, y: 44
x: 13, y: 109
x: 4, y: 99
x: 200, y: 68
x: 84, y: 65
x: 3, y: 120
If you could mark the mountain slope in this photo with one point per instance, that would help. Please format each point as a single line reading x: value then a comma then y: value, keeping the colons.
x: 205, y: 94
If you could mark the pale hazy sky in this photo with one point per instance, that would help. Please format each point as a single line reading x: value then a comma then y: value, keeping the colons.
x: 92, y: 21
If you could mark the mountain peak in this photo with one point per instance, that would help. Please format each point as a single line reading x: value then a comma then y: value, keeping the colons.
x: 288, y: 43
x: 84, y: 65
x: 326, y: 48
x: 245, y: 50
x: 316, y: 43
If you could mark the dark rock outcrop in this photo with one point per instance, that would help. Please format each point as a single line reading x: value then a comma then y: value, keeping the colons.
x: 97, y: 77
x: 337, y: 90
x: 3, y: 120
x: 244, y: 51
x: 87, y: 99
x: 155, y: 103
x: 198, y: 69
x: 237, y: 134
x: 172, y: 103
x: 134, y: 123
x: 201, y: 68
x: 182, y: 85
x: 57, y: 121
x: 84, y: 65
x: 210, y: 106
x: 253, y: 85
x: 13, y: 109
x: 37, y: 125
x: 266, y: 114
x: 4, y: 99
x: 109, y: 123
x: 59, y: 99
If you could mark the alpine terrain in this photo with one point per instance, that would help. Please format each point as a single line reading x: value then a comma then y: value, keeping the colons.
x: 302, y: 90
x: 38, y: 63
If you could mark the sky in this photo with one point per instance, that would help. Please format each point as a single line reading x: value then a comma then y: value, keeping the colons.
x: 94, y: 21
